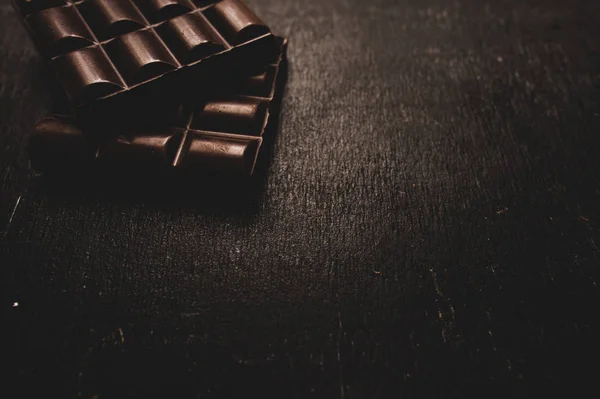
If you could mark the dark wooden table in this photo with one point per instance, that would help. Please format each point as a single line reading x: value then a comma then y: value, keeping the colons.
x: 429, y: 222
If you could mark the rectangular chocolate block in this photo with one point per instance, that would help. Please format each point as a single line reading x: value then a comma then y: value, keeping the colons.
x: 219, y: 135
x: 118, y: 59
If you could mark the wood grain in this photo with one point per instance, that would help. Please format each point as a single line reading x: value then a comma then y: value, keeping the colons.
x: 428, y: 224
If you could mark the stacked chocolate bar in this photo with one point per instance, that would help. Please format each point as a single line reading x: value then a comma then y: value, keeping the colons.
x: 174, y: 86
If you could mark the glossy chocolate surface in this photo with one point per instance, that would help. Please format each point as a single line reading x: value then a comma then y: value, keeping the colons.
x: 108, y: 54
x: 219, y: 135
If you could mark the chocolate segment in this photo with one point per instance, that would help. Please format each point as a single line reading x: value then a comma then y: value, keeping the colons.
x: 260, y: 85
x: 241, y: 116
x: 161, y: 10
x: 238, y: 23
x: 87, y: 73
x: 111, y: 18
x: 191, y: 37
x: 221, y: 153
x: 144, y: 150
x: 58, y: 143
x: 140, y: 56
x: 60, y: 30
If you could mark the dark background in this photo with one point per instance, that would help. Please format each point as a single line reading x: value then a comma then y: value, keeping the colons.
x: 429, y: 222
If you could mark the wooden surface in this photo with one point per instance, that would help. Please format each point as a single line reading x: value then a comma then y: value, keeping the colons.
x: 429, y: 222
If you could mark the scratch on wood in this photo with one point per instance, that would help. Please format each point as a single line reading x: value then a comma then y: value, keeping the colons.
x: 12, y: 215
x: 191, y: 314
x: 492, y: 339
x: 435, y: 283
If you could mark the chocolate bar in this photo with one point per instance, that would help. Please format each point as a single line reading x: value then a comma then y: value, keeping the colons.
x: 219, y: 135
x: 127, y: 55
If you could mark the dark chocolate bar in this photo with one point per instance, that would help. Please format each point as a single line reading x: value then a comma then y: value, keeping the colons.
x: 125, y: 55
x: 219, y: 135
